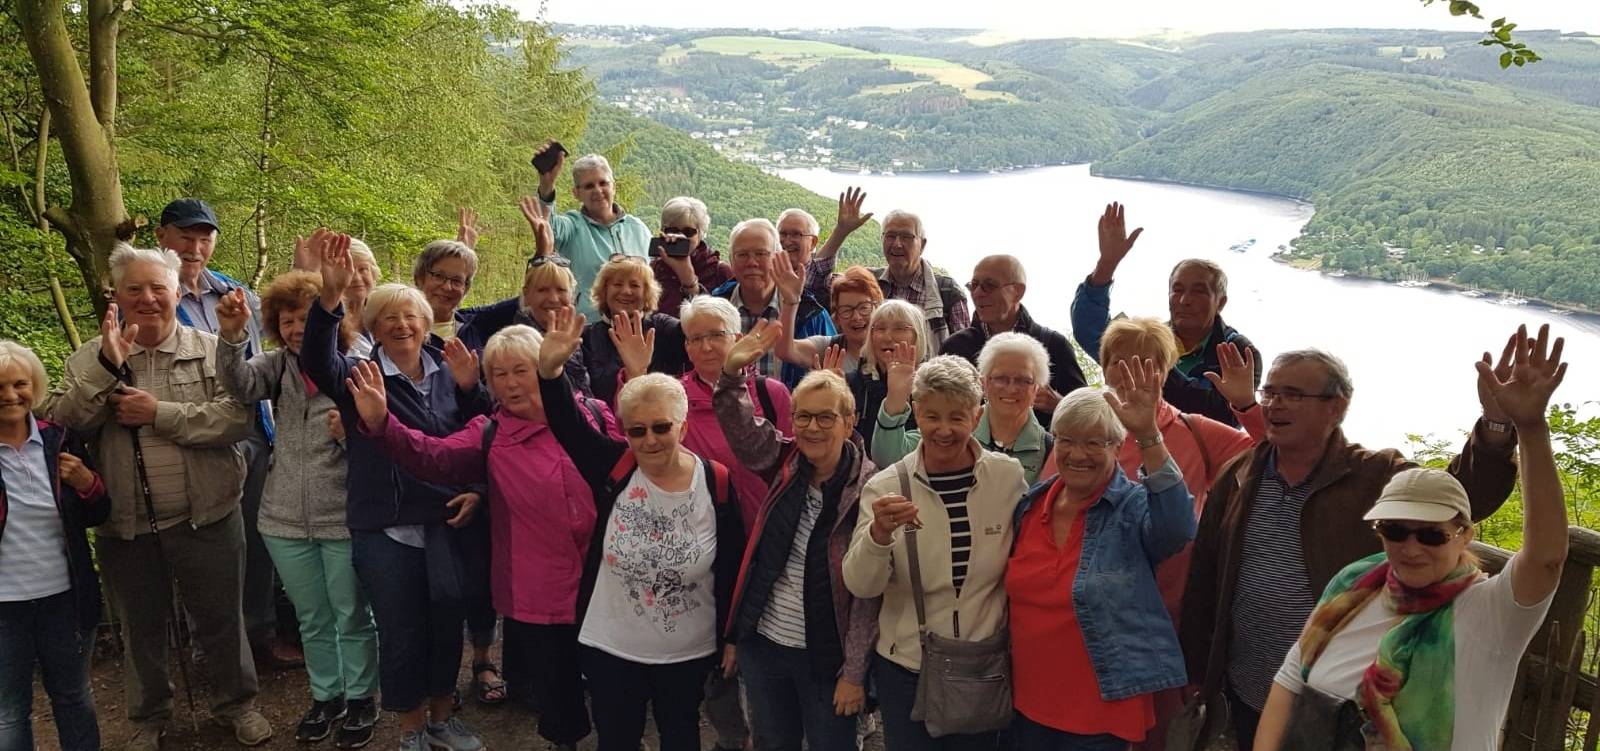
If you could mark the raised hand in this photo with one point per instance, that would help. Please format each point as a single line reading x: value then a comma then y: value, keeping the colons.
x: 1115, y: 242
x: 115, y: 341
x: 1046, y: 398
x: 889, y: 513
x: 1136, y: 398
x: 547, y: 180
x: 305, y: 259
x: 371, y: 396
x: 635, y: 344
x: 74, y: 473
x: 233, y: 312
x: 544, y: 238
x: 899, y: 370
x: 1502, y: 371
x: 750, y: 347
x: 561, y: 339
x: 338, y: 268
x: 1536, y: 369
x: 135, y: 407
x: 463, y: 364
x: 790, y: 282
x: 1237, y: 382
x: 833, y: 360
x: 467, y: 227
x: 850, y: 217
x: 465, y: 506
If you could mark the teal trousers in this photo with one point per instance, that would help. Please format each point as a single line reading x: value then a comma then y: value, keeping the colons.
x: 336, y: 628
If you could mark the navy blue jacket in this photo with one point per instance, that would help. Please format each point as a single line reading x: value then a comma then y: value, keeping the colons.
x: 490, y: 319
x: 77, y: 515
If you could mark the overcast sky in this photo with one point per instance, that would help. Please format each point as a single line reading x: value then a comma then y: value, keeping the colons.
x: 1055, y: 18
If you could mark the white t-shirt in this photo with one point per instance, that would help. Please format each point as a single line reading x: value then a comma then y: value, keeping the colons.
x: 654, y: 600
x: 1492, y: 631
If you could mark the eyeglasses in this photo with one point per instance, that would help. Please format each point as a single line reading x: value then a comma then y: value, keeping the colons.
x: 823, y: 420
x: 791, y: 235
x: 699, y: 339
x: 862, y: 310
x: 1066, y: 444
x: 987, y: 286
x: 1433, y: 537
x: 1292, y: 396
x: 688, y: 232
x: 447, y: 280
x: 899, y: 237
x: 552, y: 260
x: 760, y: 256
x: 1005, y: 381
x: 659, y: 428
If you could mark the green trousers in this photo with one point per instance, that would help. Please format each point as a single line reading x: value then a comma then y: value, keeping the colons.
x: 336, y: 628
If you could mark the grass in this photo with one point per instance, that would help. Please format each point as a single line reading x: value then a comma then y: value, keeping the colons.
x: 804, y: 53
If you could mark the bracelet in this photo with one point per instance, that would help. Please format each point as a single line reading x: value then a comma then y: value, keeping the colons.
x: 1242, y: 410
x: 1145, y: 443
x: 1497, y: 426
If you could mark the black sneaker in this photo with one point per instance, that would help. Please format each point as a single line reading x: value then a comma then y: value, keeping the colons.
x: 319, y: 721
x: 361, y: 716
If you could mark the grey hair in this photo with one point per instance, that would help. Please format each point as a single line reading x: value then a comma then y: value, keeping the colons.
x: 759, y: 224
x: 903, y: 214
x: 657, y: 388
x: 126, y: 255
x: 812, y: 227
x: 717, y: 307
x: 1339, y: 383
x: 950, y: 376
x: 437, y: 251
x: 517, y: 340
x: 897, y: 311
x: 1010, y: 263
x: 1013, y: 343
x: 677, y: 211
x: 1219, y: 278
x: 16, y: 354
x: 1085, y: 411
x: 362, y: 254
x: 590, y: 163
x: 386, y: 296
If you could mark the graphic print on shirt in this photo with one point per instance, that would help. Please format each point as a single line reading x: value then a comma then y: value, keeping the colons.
x: 649, y: 552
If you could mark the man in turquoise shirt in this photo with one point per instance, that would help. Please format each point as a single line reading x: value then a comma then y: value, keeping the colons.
x: 591, y: 234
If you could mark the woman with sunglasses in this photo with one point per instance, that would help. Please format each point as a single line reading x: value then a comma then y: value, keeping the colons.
x: 1418, y: 637
x: 658, y: 577
x: 683, y: 277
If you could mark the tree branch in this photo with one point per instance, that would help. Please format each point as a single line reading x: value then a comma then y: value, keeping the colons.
x: 103, y: 25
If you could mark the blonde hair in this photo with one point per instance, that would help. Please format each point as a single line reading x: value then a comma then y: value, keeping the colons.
x: 386, y: 296
x: 543, y: 274
x: 897, y: 311
x: 362, y: 255
x: 15, y: 354
x: 514, y: 341
x: 657, y: 388
x: 628, y: 265
x: 1145, y: 337
x: 831, y: 383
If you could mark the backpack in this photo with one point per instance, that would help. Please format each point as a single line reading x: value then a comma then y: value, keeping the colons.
x: 765, y: 397
x: 718, y: 478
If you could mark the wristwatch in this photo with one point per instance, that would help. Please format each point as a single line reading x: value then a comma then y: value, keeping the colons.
x: 1496, y: 426
x: 1145, y: 443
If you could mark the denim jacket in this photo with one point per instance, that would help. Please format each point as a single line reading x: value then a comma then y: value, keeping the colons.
x: 1131, y: 641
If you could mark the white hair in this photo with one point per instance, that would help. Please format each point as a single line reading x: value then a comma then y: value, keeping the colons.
x: 1013, y: 343
x: 686, y: 209
x: 386, y: 296
x: 14, y: 354
x: 812, y: 227
x: 898, y: 311
x: 1086, y: 412
x: 915, y: 220
x: 653, y: 388
x: 764, y: 226
x: 515, y: 341
x: 362, y: 254
x: 589, y: 163
x: 949, y: 376
x: 126, y: 255
x: 717, y: 307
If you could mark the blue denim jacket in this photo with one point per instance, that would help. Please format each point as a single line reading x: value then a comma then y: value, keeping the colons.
x: 1131, y: 641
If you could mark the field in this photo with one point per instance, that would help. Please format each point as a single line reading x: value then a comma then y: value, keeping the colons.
x: 802, y: 53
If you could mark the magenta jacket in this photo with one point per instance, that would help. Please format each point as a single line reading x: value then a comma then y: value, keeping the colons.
x: 542, y: 508
x: 705, y: 438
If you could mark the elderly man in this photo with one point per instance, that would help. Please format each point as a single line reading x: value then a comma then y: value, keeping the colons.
x: 189, y: 228
x: 598, y: 229
x: 1287, y: 515
x: 1197, y: 290
x: 752, y: 246
x: 997, y: 286
x: 167, y: 442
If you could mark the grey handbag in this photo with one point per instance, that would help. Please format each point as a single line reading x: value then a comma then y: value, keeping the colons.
x: 964, y: 686
x: 1323, y: 722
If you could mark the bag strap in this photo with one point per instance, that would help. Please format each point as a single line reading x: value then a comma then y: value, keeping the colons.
x: 489, y: 429
x: 911, y: 552
x: 764, y: 394
x: 719, y: 479
x: 1205, y: 454
x: 622, y: 469
x: 593, y: 406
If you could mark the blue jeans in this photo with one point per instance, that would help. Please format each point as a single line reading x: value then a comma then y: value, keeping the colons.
x: 419, y: 640
x: 787, y: 702
x: 45, y: 631
x: 897, y: 691
x: 1027, y: 735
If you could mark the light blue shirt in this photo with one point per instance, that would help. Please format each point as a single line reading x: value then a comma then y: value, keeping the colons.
x: 588, y: 244
x: 33, y: 544
x: 410, y: 534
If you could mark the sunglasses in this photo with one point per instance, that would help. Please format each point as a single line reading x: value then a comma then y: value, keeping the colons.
x: 1431, y: 536
x: 688, y: 232
x: 638, y: 431
x: 537, y: 261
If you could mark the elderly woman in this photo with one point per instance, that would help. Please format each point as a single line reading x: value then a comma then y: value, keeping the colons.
x: 659, y: 574
x: 547, y: 286
x: 961, y: 498
x: 1090, y: 639
x: 895, y: 323
x: 803, y: 639
x: 302, y: 518
x: 367, y: 275
x: 546, y: 510
x: 49, y: 595
x: 165, y: 437
x: 444, y: 271
x: 1012, y: 366
x: 624, y: 286
x: 853, y: 297
x: 598, y: 230
x: 394, y: 517
x: 1417, y: 636
x: 683, y: 277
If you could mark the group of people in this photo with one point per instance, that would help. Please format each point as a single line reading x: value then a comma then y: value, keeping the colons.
x: 754, y: 488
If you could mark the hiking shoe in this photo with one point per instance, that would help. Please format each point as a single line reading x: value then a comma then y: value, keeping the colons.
x: 146, y: 738
x: 415, y: 740
x: 249, y: 729
x: 453, y: 734
x: 360, y: 717
x: 319, y: 721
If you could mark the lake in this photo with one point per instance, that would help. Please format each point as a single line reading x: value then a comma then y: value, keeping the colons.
x: 1410, y: 350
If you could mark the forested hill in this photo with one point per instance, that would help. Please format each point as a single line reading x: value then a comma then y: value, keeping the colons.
x: 1421, y: 154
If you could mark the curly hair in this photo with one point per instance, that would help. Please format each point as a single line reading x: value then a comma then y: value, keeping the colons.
x: 289, y: 292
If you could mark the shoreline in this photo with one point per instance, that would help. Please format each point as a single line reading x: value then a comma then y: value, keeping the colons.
x: 1306, y: 264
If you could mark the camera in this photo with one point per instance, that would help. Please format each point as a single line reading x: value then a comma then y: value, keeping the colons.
x: 676, y: 246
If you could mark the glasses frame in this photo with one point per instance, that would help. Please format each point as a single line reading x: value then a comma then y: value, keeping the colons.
x: 1431, y: 537
x: 659, y: 428
x: 552, y: 260
x: 825, y: 420
x: 449, y: 281
x: 1267, y: 394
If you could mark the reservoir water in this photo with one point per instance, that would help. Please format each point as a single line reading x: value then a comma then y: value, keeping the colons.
x: 1410, y: 350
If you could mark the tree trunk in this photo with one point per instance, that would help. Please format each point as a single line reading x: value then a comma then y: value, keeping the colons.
x: 40, y: 160
x: 84, y: 111
x: 262, y: 164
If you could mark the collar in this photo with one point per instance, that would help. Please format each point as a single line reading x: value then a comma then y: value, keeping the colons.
x: 738, y: 300
x: 1023, y: 324
x: 1030, y: 439
x: 429, y: 367
x: 33, y: 431
x: 168, y: 345
x: 920, y: 282
x: 1059, y: 486
x: 207, y: 284
x: 615, y: 208
x: 515, y: 429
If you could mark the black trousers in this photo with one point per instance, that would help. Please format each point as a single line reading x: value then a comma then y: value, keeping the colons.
x: 545, y: 656
x: 621, y: 689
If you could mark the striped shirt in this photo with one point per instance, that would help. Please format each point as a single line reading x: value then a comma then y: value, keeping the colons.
x: 769, y: 364
x: 952, y: 488
x: 784, y: 620
x: 1271, y: 593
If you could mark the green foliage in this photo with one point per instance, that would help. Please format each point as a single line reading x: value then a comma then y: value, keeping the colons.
x: 1499, y: 35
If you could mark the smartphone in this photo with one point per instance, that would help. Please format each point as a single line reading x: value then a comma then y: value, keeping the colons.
x: 546, y: 161
x: 677, y: 247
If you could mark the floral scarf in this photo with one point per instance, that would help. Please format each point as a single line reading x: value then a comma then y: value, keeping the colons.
x: 1408, y: 694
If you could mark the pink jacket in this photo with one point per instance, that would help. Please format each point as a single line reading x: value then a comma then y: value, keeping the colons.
x: 705, y: 438
x: 542, y: 509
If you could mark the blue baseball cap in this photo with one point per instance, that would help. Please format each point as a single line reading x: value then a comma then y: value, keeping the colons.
x: 189, y: 212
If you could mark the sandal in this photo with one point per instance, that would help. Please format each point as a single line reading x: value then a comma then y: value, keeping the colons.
x: 491, y: 691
